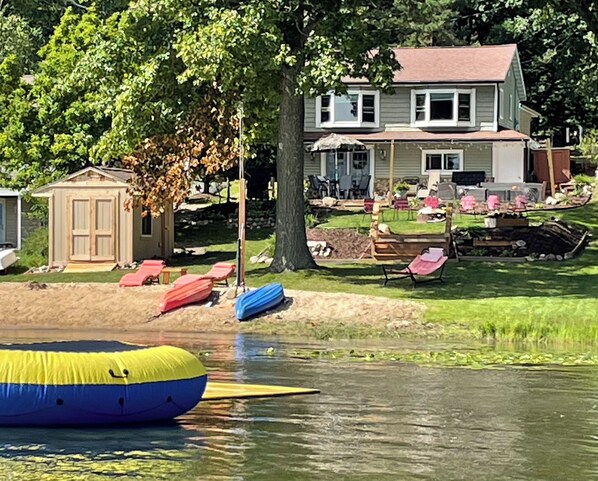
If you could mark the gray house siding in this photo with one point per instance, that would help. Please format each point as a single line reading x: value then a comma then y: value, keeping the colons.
x: 408, y: 158
x: 509, y: 87
x: 395, y: 109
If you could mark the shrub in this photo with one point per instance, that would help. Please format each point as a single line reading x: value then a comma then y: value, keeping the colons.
x: 270, y: 245
x: 34, y: 252
x: 584, y: 179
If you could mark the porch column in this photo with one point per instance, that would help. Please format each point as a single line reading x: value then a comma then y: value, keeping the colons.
x: 392, y: 171
x: 19, y: 223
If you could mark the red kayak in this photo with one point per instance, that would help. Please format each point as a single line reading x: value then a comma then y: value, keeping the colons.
x: 189, y: 293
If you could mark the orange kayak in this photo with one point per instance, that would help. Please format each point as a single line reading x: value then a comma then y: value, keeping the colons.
x: 189, y: 293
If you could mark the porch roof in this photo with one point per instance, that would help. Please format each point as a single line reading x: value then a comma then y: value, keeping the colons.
x: 425, y: 136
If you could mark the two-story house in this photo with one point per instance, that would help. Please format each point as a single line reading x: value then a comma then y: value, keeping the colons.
x: 453, y: 109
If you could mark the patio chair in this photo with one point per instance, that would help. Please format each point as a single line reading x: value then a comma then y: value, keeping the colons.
x: 361, y: 190
x: 431, y: 201
x: 220, y: 272
x: 467, y: 203
x: 402, y: 204
x: 316, y: 187
x: 447, y: 191
x: 345, y: 185
x: 430, y: 261
x: 148, y: 272
x: 493, y: 202
x: 368, y: 207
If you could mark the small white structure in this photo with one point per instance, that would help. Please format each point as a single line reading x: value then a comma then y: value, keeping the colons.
x: 11, y: 219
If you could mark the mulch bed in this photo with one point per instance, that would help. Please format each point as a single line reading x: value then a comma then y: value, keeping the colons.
x: 345, y: 243
x: 552, y: 237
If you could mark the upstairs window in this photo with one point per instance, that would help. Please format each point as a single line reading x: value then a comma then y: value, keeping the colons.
x: 443, y: 108
x: 353, y: 109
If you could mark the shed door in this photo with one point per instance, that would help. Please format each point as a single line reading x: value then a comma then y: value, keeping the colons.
x: 103, y: 229
x: 80, y: 230
x: 92, y: 229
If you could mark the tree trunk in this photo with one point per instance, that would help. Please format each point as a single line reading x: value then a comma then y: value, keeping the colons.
x: 291, y: 252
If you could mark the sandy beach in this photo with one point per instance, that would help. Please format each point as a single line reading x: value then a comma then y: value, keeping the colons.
x: 106, y: 306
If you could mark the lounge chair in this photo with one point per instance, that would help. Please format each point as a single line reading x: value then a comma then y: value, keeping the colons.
x: 431, y: 260
x: 220, y: 272
x: 148, y: 272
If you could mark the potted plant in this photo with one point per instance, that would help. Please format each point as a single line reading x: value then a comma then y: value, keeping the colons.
x: 401, y: 188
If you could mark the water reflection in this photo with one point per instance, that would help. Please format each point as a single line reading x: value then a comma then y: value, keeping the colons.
x: 382, y: 421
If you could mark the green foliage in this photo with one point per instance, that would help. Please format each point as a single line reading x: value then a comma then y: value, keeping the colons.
x: 477, y: 359
x: 401, y: 186
x: 270, y: 245
x: 589, y: 146
x: 584, y: 179
x: 558, y: 51
x: 18, y: 38
x: 311, y: 221
x: 34, y: 252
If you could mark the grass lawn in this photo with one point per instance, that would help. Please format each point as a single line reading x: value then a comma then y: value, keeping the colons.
x: 552, y: 301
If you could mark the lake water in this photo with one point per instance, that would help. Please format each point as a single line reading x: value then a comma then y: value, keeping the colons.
x: 378, y: 421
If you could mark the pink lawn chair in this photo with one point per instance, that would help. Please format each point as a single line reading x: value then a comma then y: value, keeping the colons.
x: 493, y: 202
x: 467, y: 203
x: 149, y: 271
x: 520, y: 202
x: 431, y: 201
x: 220, y: 272
x: 431, y: 260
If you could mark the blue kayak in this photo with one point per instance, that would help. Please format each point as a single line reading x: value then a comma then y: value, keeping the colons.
x: 259, y: 300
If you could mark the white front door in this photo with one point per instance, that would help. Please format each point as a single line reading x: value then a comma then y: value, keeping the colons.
x: 2, y: 221
x: 508, y: 161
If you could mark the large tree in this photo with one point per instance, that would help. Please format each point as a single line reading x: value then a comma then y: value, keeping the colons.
x: 286, y: 49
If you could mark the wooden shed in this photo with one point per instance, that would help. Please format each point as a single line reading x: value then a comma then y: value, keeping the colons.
x: 88, y: 222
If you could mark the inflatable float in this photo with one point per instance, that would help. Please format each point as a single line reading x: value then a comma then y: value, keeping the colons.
x: 96, y: 382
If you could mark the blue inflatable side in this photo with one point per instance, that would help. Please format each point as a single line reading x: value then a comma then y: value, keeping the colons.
x: 96, y: 383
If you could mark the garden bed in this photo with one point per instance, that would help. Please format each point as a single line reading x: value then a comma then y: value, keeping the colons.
x: 345, y: 243
x: 552, y: 240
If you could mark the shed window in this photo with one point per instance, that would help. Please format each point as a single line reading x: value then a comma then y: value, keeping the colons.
x: 146, y: 223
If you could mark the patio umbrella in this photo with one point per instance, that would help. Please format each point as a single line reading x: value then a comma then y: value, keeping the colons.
x: 336, y: 143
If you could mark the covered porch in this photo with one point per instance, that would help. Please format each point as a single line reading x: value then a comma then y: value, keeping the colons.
x: 421, y: 159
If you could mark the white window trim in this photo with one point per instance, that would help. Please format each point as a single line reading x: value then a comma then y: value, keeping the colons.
x: 151, y: 234
x: 444, y: 123
x: 501, y: 101
x: 442, y: 152
x: 3, y: 226
x: 359, y: 122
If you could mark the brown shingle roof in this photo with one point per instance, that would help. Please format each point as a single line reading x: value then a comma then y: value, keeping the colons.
x: 425, y: 136
x: 489, y: 63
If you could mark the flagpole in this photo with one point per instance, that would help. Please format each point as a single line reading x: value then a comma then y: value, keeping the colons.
x: 240, y: 283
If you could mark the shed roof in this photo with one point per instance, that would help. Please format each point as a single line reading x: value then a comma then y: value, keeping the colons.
x: 120, y: 176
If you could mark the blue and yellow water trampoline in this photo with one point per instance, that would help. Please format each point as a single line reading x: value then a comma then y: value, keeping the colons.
x: 96, y: 382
